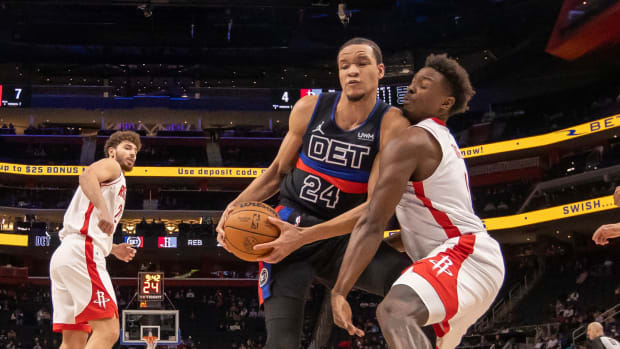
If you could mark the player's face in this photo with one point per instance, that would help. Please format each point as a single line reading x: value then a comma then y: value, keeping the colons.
x: 125, y: 153
x: 427, y: 96
x: 358, y: 71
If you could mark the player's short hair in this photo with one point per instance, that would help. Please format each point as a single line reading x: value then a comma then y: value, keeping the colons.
x: 117, y: 137
x: 457, y: 78
x: 363, y: 41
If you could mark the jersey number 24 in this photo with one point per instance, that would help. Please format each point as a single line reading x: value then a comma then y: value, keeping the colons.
x: 312, y: 191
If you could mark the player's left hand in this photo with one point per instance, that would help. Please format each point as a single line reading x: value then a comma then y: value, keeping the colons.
x: 605, y: 232
x: 341, y: 311
x: 123, y: 252
x: 290, y: 240
x: 617, y: 196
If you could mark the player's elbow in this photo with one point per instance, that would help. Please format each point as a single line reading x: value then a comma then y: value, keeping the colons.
x: 84, y: 178
x: 87, y: 177
x: 278, y: 171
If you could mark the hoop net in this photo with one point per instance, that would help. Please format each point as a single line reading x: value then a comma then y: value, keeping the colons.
x: 151, y: 342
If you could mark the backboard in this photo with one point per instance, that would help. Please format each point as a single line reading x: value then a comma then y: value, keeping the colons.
x: 137, y: 324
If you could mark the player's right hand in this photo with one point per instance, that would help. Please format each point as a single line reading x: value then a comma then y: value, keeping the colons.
x: 106, y: 223
x: 617, y: 196
x: 343, y: 316
x: 220, y: 225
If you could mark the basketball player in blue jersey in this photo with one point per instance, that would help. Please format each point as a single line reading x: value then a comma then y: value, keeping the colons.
x: 325, y: 170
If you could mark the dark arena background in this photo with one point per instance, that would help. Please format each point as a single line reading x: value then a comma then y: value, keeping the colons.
x: 209, y: 86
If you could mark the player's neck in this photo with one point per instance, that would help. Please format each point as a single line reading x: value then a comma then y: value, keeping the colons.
x: 355, y: 112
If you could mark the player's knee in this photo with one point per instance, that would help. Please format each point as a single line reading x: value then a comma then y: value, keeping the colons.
x: 111, y: 337
x: 114, y: 334
x: 401, y: 304
x: 69, y: 345
x: 283, y: 333
x: 73, y: 344
x: 108, y: 331
x: 388, y: 310
x: 73, y: 340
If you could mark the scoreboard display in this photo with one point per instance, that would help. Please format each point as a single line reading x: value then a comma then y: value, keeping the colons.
x: 14, y: 96
x: 285, y: 99
x: 150, y: 286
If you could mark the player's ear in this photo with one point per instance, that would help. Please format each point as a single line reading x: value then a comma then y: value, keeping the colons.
x: 447, y: 103
x: 381, y: 68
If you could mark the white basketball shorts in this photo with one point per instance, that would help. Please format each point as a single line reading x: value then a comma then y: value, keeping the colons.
x: 81, y: 286
x: 457, y: 282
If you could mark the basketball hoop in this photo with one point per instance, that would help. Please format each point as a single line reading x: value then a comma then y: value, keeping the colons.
x: 151, y: 342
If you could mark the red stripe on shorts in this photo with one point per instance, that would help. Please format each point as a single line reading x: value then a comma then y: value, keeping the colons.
x: 101, y: 305
x: 442, y: 271
x: 260, y: 289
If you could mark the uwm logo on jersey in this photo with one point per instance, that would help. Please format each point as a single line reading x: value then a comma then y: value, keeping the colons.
x: 336, y: 152
x: 365, y: 136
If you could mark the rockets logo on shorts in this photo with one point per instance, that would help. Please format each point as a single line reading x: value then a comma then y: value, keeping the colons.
x: 101, y: 299
x: 443, y: 264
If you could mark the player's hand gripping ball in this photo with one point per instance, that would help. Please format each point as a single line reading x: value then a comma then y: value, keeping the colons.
x: 246, y: 226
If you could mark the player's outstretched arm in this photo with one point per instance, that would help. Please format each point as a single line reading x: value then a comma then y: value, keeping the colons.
x: 268, y: 183
x: 102, y: 171
x: 398, y: 163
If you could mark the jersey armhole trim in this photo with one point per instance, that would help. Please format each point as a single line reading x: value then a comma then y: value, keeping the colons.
x: 432, y: 133
x: 316, y: 106
x: 106, y: 184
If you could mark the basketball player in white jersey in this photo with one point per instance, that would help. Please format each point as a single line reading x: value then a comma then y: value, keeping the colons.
x: 82, y: 295
x: 608, y: 231
x: 458, y: 268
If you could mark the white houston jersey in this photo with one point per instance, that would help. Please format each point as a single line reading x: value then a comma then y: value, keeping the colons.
x: 609, y: 343
x: 438, y: 208
x: 82, y: 217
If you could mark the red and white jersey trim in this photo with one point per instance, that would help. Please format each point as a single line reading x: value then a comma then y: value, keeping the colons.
x: 438, y: 208
x: 81, y: 216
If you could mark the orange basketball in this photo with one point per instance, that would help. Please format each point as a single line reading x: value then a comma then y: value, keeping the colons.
x: 246, y: 226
